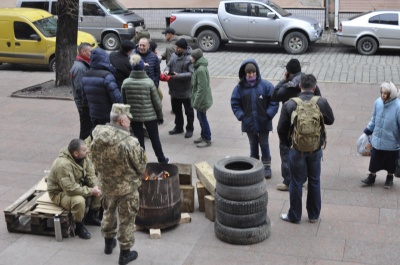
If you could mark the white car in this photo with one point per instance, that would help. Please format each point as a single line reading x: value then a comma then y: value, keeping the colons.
x: 372, y: 30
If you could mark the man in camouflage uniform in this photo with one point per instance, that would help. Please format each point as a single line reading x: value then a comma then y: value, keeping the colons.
x: 120, y: 163
x: 71, y: 181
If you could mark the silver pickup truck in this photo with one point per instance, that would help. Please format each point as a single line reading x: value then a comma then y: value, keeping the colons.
x: 247, y: 21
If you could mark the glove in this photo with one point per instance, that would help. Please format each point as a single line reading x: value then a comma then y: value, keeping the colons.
x: 160, y: 121
x: 367, y: 132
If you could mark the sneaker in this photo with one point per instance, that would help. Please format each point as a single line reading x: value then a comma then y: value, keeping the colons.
x: 388, y: 182
x: 197, y: 141
x: 204, y: 144
x: 285, y: 217
x: 370, y: 180
x: 282, y: 187
x: 166, y: 161
x: 188, y: 134
x: 313, y: 220
x: 175, y: 131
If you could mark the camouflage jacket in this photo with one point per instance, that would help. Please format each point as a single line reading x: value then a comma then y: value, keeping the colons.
x: 68, y: 176
x: 118, y: 158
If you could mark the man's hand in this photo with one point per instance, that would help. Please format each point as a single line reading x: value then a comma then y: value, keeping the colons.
x: 96, y: 191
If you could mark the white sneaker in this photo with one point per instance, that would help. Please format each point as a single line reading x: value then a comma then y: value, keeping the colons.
x: 282, y: 187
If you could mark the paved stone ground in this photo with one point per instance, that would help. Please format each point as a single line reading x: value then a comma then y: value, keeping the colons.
x: 358, y: 225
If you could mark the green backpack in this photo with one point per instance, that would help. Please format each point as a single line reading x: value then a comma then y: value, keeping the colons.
x: 308, y: 125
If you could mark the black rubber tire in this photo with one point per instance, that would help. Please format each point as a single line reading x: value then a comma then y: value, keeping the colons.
x: 52, y: 65
x: 239, y: 171
x: 243, y: 193
x: 241, y: 207
x: 111, y: 41
x: 242, y: 236
x: 367, y: 46
x: 295, y: 43
x: 242, y: 221
x: 208, y: 41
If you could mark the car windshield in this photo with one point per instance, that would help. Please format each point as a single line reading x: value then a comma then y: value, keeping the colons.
x: 279, y: 9
x: 47, y: 26
x: 114, y: 7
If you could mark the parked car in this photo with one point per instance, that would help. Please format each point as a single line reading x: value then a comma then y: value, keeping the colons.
x: 28, y: 36
x: 107, y: 20
x: 371, y: 30
x: 247, y: 21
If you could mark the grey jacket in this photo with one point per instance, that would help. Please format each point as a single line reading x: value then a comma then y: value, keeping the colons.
x: 77, y: 71
x: 181, y: 85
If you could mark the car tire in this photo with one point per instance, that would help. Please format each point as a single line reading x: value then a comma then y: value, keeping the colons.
x: 111, y: 41
x: 242, y: 236
x: 242, y: 221
x: 239, y: 171
x: 208, y: 41
x: 295, y: 43
x: 367, y: 46
x: 242, y: 193
x: 52, y: 65
x: 241, y: 207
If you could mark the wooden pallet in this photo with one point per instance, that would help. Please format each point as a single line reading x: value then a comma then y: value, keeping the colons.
x: 22, y: 217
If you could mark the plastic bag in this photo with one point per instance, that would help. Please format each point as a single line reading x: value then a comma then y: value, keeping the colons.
x: 364, y: 145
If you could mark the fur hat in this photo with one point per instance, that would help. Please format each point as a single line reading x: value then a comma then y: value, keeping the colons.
x: 293, y: 66
x: 122, y: 109
x: 197, y: 54
x: 127, y: 46
x: 136, y: 62
x: 181, y: 43
x: 250, y: 67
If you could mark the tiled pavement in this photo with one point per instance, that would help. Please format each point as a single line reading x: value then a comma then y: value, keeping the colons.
x: 358, y: 225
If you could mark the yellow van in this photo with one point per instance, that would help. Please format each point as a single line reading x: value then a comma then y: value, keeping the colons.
x: 28, y: 36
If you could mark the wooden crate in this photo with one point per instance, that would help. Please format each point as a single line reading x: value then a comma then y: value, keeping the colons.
x: 185, y: 173
x: 21, y: 217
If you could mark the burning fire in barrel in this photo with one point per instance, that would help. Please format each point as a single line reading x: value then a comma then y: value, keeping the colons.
x: 159, y: 197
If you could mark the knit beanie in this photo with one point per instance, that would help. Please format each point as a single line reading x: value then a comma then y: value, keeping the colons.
x: 181, y: 43
x: 250, y: 67
x: 197, y: 54
x: 293, y: 66
x: 136, y: 62
x: 127, y: 45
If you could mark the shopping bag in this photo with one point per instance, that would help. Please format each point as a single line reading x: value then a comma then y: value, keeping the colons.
x: 364, y: 145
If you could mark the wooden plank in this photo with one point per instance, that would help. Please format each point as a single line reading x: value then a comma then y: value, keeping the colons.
x: 45, y: 198
x: 50, y: 207
x: 209, y: 204
x: 32, y: 204
x: 155, y: 233
x: 185, y: 218
x: 49, y: 211
x: 187, y: 198
x: 42, y: 185
x: 185, y: 173
x: 20, y: 200
x: 205, y: 174
x: 201, y: 192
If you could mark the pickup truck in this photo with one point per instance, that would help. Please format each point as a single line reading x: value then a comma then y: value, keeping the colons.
x: 247, y: 21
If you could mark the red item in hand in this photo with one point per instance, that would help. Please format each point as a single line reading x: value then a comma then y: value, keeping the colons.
x: 164, y: 77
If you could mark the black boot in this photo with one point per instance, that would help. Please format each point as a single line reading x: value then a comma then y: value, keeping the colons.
x: 110, y: 245
x: 369, y: 180
x: 388, y: 182
x: 81, y: 231
x: 91, y: 218
x: 126, y: 256
x: 267, y: 168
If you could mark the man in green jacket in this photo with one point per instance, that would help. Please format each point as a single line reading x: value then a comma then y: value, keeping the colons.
x: 71, y: 181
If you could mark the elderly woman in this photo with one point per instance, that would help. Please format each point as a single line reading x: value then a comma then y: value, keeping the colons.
x: 385, y: 130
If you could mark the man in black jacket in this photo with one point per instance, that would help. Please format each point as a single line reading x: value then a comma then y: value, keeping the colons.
x: 120, y: 61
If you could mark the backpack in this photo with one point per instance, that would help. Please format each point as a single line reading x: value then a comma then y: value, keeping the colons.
x: 308, y: 125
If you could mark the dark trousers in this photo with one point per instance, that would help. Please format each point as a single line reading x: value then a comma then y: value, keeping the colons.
x: 285, y: 171
x: 177, y: 109
x: 152, y: 130
x: 86, y: 124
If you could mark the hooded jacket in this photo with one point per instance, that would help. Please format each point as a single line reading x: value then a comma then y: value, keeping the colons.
x: 100, y: 89
x: 385, y: 123
x: 118, y: 158
x: 70, y: 177
x: 201, y: 92
x: 153, y: 70
x: 181, y: 85
x: 252, y: 105
x: 123, y: 68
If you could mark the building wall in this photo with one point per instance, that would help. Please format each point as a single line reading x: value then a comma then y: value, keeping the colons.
x: 367, y: 5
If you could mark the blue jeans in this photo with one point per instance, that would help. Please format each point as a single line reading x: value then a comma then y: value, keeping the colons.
x: 259, y: 139
x: 205, y: 127
x: 298, y: 161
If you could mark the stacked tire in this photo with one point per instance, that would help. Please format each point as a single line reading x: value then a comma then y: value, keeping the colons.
x: 241, y: 201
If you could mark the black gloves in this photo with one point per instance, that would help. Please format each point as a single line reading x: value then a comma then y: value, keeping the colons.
x: 367, y: 132
x: 160, y: 121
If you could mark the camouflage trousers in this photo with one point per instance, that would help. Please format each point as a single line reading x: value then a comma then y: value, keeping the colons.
x: 127, y: 207
x: 76, y: 204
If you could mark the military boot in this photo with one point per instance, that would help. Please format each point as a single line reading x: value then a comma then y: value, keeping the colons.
x: 110, y: 245
x: 91, y: 218
x: 126, y: 256
x: 267, y: 168
x: 81, y: 231
x: 369, y: 180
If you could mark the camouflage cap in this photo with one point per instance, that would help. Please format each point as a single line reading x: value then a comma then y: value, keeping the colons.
x: 122, y: 109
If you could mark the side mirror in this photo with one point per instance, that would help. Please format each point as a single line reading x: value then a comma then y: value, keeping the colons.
x: 100, y: 12
x: 35, y: 37
x: 271, y: 15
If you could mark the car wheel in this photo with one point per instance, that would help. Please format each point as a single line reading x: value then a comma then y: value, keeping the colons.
x: 295, y: 43
x: 367, y: 46
x: 241, y: 207
x: 111, y: 41
x: 242, y: 221
x: 208, y: 41
x: 52, y: 65
x: 242, y: 193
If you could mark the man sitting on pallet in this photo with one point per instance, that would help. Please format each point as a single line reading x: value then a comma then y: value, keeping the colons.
x: 71, y: 181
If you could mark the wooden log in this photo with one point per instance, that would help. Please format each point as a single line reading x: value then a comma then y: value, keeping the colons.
x: 187, y: 198
x: 201, y: 192
x: 185, y: 218
x: 205, y: 174
x: 185, y: 173
x: 155, y: 233
x: 209, y: 204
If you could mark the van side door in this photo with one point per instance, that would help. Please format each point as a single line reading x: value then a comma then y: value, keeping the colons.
x: 6, y: 49
x: 92, y: 19
x: 234, y: 19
